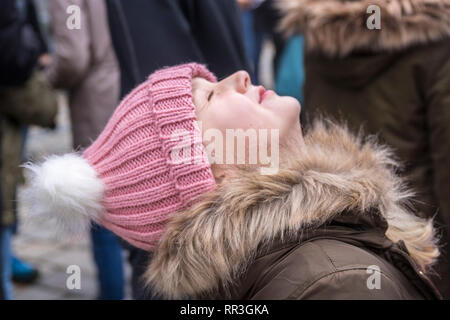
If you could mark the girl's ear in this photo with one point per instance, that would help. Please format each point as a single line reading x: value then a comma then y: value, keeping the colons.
x: 220, y: 178
x: 219, y: 173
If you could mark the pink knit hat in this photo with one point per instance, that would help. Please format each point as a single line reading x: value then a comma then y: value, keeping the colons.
x: 147, y: 164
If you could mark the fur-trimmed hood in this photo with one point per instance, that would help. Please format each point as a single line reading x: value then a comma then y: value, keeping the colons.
x: 338, y: 27
x: 209, y: 245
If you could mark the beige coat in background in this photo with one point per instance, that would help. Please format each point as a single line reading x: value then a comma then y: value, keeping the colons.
x: 85, y: 64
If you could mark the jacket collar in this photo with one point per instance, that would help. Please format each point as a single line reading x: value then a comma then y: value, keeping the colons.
x: 338, y: 27
x: 361, y: 231
x: 208, y: 246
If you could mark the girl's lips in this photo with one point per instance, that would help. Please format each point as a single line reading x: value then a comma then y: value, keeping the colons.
x: 263, y: 93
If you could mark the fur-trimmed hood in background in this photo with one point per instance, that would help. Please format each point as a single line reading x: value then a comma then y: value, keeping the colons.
x: 212, y: 243
x: 338, y: 27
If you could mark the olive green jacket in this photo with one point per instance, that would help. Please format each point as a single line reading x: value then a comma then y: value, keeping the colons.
x: 317, y: 229
x: 347, y: 259
x: 393, y: 82
x: 32, y: 103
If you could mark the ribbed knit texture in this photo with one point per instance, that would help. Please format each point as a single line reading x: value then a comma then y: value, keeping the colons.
x: 145, y: 184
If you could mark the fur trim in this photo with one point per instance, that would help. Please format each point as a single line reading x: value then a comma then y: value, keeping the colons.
x: 210, y: 245
x: 337, y: 27
x: 65, y: 189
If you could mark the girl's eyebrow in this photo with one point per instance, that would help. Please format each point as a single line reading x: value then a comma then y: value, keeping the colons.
x: 207, y: 99
x: 203, y: 94
x: 204, y: 101
x: 211, y: 90
x: 210, y: 95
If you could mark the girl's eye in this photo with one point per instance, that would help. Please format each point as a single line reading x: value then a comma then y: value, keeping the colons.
x: 210, y: 95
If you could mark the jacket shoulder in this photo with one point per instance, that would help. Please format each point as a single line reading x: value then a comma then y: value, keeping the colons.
x: 333, y: 269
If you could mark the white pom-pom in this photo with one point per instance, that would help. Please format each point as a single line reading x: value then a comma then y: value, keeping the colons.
x: 65, y: 189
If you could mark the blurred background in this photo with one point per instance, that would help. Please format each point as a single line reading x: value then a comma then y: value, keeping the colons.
x: 39, y: 245
x: 66, y: 64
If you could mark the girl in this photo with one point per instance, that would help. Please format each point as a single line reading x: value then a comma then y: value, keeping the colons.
x: 330, y: 222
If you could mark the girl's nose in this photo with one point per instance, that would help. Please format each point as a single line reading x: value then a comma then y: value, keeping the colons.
x: 242, y: 81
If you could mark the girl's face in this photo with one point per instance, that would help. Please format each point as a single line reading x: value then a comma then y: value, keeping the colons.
x: 234, y: 103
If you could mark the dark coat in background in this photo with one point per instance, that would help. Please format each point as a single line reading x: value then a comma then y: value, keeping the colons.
x: 266, y: 20
x: 25, y: 96
x: 317, y: 229
x: 395, y: 82
x: 19, y: 50
x: 149, y: 35
x: 33, y: 103
x: 20, y: 46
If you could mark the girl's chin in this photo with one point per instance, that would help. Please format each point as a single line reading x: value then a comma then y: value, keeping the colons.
x: 290, y: 106
x: 286, y: 101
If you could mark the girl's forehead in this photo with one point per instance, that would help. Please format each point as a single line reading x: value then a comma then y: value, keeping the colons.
x: 200, y: 87
x: 199, y: 83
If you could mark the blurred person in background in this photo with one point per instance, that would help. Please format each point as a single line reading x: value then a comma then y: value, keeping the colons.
x: 290, y: 75
x: 25, y: 98
x: 260, y: 20
x: 393, y: 79
x: 24, y: 272
x: 148, y: 35
x: 252, y: 39
x: 2, y: 284
x: 85, y: 65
